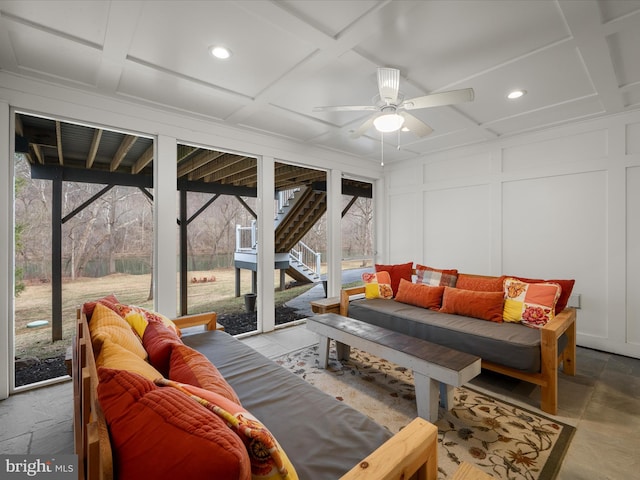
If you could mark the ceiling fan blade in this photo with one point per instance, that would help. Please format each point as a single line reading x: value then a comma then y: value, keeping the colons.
x: 439, y: 99
x: 364, y: 127
x: 345, y: 108
x: 416, y: 126
x: 389, y: 84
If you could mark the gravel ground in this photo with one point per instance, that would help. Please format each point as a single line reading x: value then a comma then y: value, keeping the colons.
x: 34, y: 370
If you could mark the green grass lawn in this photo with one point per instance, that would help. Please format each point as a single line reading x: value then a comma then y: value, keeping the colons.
x: 34, y: 303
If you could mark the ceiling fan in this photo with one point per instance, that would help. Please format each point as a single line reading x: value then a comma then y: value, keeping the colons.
x: 391, y: 109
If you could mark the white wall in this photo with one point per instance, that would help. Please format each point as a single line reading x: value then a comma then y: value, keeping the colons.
x: 563, y: 203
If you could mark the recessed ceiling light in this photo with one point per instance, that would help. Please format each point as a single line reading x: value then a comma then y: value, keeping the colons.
x: 516, y: 94
x: 220, y: 52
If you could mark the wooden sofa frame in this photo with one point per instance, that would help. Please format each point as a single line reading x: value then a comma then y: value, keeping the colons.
x: 547, y: 378
x: 410, y: 453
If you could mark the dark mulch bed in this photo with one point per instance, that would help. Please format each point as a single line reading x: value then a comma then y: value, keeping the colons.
x: 34, y: 370
x: 237, y: 323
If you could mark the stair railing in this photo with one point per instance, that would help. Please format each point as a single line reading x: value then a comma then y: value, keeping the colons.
x: 246, y: 238
x: 283, y: 199
x: 307, y: 258
x: 302, y: 257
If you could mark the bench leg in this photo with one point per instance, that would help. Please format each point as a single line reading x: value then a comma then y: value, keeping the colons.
x: 343, y: 350
x: 446, y: 396
x: 427, y: 392
x: 323, y: 351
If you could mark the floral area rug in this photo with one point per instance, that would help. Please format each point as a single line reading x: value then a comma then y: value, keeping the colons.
x: 504, y: 440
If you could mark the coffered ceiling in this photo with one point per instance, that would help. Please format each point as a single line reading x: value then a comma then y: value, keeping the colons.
x: 576, y: 59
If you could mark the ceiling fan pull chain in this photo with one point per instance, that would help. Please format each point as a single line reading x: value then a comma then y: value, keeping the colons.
x: 381, y: 149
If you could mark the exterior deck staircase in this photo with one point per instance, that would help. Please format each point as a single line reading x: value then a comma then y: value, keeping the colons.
x: 297, y: 211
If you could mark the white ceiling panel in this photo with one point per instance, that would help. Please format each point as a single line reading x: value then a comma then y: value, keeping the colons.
x: 551, y: 76
x: 553, y: 115
x: 339, y: 83
x: 176, y: 36
x: 63, y: 18
x: 139, y: 81
x: 43, y: 53
x: 331, y: 16
x: 438, y: 43
x: 614, y: 9
x: 624, y: 54
x: 632, y: 97
x: 281, y: 122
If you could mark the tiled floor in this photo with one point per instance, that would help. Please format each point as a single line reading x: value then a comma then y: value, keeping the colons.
x: 602, y: 401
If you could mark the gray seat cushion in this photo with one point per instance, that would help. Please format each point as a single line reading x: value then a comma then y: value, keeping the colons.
x: 509, y: 344
x: 323, y: 438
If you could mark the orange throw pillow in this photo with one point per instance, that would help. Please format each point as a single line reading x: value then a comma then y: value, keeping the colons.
x: 480, y: 283
x: 420, y: 295
x: 482, y: 305
x: 187, y: 365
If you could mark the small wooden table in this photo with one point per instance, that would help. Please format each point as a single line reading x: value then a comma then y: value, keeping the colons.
x: 436, y: 369
x: 326, y: 305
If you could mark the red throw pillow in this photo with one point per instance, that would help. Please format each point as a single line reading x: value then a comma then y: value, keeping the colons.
x: 158, y: 340
x: 480, y: 283
x: 420, y: 295
x: 162, y: 434
x: 187, y: 365
x: 396, y: 272
x: 565, y: 292
x: 483, y: 305
x: 109, y: 301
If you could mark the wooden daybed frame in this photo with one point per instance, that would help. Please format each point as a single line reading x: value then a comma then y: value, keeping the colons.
x: 412, y: 451
x: 547, y: 378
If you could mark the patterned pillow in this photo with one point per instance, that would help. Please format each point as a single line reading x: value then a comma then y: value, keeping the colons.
x: 140, y: 322
x: 377, y: 285
x: 268, y: 459
x: 436, y: 277
x: 565, y: 285
x: 532, y: 304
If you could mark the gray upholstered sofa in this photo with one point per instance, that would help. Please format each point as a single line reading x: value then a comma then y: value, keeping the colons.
x: 323, y: 437
x: 512, y: 349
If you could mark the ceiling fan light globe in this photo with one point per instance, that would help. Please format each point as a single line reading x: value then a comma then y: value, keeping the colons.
x: 390, y: 122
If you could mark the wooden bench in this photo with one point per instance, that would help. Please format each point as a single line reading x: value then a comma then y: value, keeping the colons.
x: 436, y: 369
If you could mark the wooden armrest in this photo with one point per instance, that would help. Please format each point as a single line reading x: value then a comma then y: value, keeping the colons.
x: 345, y: 295
x: 206, y: 319
x: 561, y: 322
x: 412, y: 450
